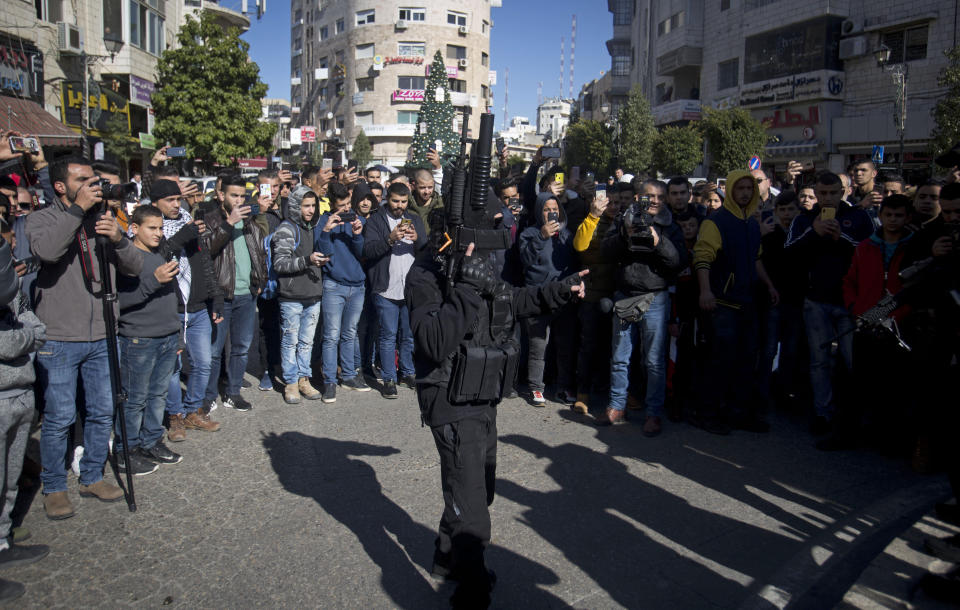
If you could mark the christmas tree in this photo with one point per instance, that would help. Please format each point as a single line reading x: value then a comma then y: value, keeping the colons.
x: 435, y: 121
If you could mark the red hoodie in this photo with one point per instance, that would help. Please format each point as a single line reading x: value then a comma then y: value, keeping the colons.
x: 867, y: 281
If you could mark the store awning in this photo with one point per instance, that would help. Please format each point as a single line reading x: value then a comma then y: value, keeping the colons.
x: 29, y: 118
x: 792, y: 148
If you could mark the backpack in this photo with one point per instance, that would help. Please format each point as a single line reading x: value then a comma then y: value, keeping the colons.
x: 270, y: 290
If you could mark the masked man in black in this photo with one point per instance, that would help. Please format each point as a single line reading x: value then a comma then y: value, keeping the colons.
x: 465, y: 356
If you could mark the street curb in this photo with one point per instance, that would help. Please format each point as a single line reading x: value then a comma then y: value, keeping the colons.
x: 826, y: 567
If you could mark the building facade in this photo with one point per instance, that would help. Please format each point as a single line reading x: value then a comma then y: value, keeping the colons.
x: 553, y: 116
x: 807, y: 69
x: 363, y: 65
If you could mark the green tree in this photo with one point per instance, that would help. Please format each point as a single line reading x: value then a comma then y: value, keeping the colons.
x: 947, y: 111
x: 208, y: 95
x: 435, y: 120
x: 117, y: 141
x: 733, y: 136
x: 677, y: 151
x: 588, y: 145
x: 362, y: 151
x: 637, y: 132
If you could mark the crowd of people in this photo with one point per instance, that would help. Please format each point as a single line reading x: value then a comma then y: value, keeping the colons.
x: 709, y: 303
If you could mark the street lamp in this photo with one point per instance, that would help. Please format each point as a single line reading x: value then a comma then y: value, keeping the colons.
x: 113, y: 46
x: 899, y: 73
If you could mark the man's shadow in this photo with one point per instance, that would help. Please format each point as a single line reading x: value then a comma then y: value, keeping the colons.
x: 348, y: 490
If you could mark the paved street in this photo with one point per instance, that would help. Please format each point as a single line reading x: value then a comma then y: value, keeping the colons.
x: 335, y: 506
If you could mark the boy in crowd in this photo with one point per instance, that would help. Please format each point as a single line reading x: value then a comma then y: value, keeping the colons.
x: 299, y: 287
x: 683, y: 326
x: 149, y: 338
x: 340, y: 237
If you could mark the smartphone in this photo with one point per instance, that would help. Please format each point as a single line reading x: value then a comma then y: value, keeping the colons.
x: 177, y: 151
x: 501, y: 146
x: 590, y: 178
x: 553, y: 217
x: 348, y: 216
x: 265, y: 190
x: 828, y: 213
x: 254, y: 206
x: 551, y: 152
x: 406, y: 222
x: 33, y: 265
x: 326, y: 164
x: 575, y: 174
x: 559, y: 178
x: 24, y: 145
x: 601, y: 190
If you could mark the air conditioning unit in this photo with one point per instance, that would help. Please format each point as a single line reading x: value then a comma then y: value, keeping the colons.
x: 295, y: 80
x: 336, y: 131
x: 853, y: 47
x: 850, y: 27
x: 321, y: 73
x: 464, y: 30
x: 295, y: 110
x: 464, y: 62
x: 401, y: 24
x: 69, y: 39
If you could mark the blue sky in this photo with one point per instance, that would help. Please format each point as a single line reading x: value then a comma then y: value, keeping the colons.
x: 526, y: 38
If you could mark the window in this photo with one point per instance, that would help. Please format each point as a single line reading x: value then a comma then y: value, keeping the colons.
x: 622, y: 12
x: 677, y: 20
x: 485, y: 92
x: 412, y: 82
x: 363, y: 51
x: 49, y: 10
x: 621, y: 56
x: 455, y: 18
x: 907, y: 45
x: 724, y: 5
x: 728, y: 73
x: 146, y: 26
x: 753, y: 4
x: 455, y: 52
x: 365, y: 17
x: 113, y: 20
x: 413, y: 14
x: 460, y: 86
x: 407, y: 117
x: 338, y: 56
x: 412, y: 49
x: 340, y: 122
x: 363, y: 119
x: 338, y: 89
x: 341, y: 26
x: 484, y: 59
x: 485, y: 27
x: 324, y: 92
x: 324, y: 33
x: 365, y: 84
x: 297, y: 17
x: 324, y: 124
x: 322, y: 64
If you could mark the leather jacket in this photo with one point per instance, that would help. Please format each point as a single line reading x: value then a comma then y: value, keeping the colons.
x: 220, y: 244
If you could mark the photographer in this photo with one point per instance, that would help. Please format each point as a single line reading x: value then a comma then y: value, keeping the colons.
x: 68, y: 300
x: 650, y: 249
x: 240, y: 265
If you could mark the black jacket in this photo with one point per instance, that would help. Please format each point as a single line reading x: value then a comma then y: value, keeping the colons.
x: 440, y: 319
x: 220, y: 245
x: 204, y: 290
x: 377, y: 250
x: 653, y: 270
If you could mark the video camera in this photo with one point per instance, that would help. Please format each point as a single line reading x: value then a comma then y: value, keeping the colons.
x: 636, y: 225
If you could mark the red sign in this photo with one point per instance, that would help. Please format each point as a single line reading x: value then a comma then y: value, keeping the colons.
x: 255, y: 163
x: 308, y: 134
x: 408, y: 95
x: 402, y: 60
x: 785, y: 118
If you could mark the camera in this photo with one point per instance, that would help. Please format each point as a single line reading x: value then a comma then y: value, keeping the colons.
x: 515, y: 205
x: 637, y: 223
x: 348, y: 217
x: 118, y: 192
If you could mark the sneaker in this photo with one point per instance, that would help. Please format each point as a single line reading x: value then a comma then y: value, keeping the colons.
x: 198, y: 420
x: 266, y: 384
x: 57, y: 505
x: 178, y: 430
x: 245, y: 384
x: 566, y: 397
x: 355, y: 383
x: 612, y: 417
x: 10, y: 590
x: 140, y: 465
x: 291, y: 394
x: 307, y: 390
x: 537, y: 399
x: 580, y: 405
x: 329, y: 393
x: 389, y: 390
x: 209, y: 406
x: 237, y: 403
x: 161, y: 453
x: 16, y: 555
x: 652, y: 426
x: 410, y: 381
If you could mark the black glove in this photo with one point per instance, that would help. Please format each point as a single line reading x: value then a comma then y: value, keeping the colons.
x: 477, y: 273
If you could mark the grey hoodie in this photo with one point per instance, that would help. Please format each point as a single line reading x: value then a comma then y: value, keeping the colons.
x: 21, y: 332
x: 297, y: 279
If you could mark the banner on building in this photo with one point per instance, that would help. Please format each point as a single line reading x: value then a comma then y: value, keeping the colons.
x: 103, y: 105
x: 408, y: 95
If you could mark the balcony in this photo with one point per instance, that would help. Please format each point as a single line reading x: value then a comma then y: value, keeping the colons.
x: 676, y: 111
x: 678, y: 59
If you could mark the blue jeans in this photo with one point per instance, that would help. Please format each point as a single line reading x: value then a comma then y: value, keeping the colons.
x: 298, y: 323
x: 394, y: 320
x: 198, y: 350
x: 781, y: 326
x: 341, y: 313
x: 652, y: 330
x: 239, y: 316
x: 146, y: 365
x: 824, y: 322
x: 58, y: 364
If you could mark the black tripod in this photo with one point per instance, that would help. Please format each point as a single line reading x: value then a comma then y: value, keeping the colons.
x: 116, y: 390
